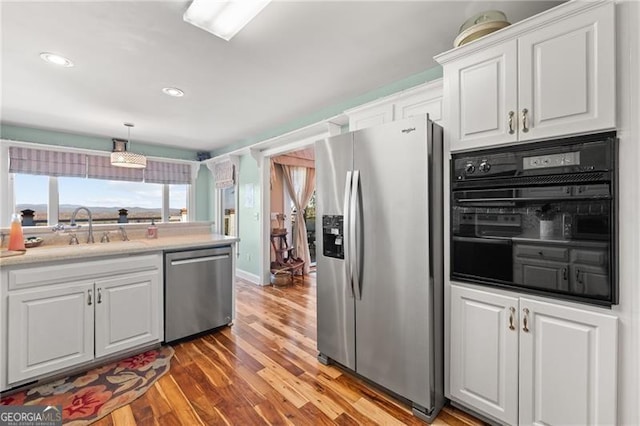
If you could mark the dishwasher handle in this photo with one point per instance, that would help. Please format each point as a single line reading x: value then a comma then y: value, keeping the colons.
x: 199, y: 259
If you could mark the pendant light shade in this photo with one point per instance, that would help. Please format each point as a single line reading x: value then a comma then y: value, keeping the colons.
x: 120, y: 157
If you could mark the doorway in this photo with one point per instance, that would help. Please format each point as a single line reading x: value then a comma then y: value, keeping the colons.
x: 292, y: 178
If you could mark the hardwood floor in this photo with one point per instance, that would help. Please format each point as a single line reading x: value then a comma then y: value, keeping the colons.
x: 263, y: 370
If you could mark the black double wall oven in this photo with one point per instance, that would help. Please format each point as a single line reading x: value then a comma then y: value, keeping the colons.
x: 538, y: 218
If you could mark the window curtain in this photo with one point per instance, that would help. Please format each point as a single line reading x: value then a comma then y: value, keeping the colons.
x: 300, y: 182
x: 166, y: 172
x: 100, y: 168
x: 224, y: 174
x: 50, y: 163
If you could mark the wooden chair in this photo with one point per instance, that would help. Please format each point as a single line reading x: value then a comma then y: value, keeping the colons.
x: 286, y: 259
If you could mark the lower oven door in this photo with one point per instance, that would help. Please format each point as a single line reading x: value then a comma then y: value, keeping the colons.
x: 482, y: 259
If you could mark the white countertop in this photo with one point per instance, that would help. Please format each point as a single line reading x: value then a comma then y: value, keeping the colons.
x: 50, y: 253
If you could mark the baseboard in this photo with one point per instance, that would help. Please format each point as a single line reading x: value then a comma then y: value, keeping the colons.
x: 248, y: 276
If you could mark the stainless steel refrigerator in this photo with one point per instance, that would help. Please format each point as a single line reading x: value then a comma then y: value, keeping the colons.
x: 379, y: 261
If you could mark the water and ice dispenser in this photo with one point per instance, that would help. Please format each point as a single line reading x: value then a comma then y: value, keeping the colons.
x: 333, y: 236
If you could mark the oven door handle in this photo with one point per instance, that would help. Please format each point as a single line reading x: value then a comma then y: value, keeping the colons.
x: 501, y: 241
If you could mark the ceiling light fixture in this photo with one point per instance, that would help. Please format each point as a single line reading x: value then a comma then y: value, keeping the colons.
x: 120, y: 157
x: 223, y: 18
x: 173, y: 91
x: 54, y: 59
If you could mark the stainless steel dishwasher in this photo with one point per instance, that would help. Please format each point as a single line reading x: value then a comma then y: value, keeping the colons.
x: 198, y: 291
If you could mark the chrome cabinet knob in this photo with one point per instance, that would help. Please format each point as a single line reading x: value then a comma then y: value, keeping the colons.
x: 469, y: 168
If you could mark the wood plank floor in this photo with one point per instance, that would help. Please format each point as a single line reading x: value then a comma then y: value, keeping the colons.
x: 263, y: 370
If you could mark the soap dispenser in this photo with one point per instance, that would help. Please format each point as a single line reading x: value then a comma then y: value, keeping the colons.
x: 16, y: 237
x: 152, y: 230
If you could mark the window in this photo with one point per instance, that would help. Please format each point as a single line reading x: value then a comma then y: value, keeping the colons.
x: 178, y: 201
x: 32, y: 192
x: 106, y: 199
x: 53, y: 184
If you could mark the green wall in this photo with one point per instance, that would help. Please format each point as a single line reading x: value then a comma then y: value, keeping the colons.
x: 249, y: 216
x: 49, y: 137
x: 406, y: 83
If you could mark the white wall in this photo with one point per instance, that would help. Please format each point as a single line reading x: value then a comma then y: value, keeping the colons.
x: 628, y: 90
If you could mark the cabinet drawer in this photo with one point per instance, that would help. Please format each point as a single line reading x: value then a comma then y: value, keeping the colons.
x: 541, y: 252
x: 589, y: 257
x: 20, y: 278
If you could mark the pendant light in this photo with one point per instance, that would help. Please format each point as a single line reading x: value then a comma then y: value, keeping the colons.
x: 120, y: 157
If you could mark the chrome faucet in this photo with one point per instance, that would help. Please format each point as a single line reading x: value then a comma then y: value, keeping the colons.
x: 73, y: 222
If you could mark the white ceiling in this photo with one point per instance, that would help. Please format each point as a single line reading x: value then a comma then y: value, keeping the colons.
x: 293, y: 60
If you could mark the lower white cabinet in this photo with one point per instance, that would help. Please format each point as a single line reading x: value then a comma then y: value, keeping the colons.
x: 525, y: 361
x: 127, y: 308
x: 49, y: 329
x: 61, y: 317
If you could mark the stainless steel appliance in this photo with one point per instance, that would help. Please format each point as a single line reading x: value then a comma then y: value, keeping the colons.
x: 380, y: 274
x: 198, y: 291
x: 538, y: 218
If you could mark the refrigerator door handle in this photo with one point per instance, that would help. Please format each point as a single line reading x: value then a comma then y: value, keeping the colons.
x: 353, y: 233
x: 346, y: 226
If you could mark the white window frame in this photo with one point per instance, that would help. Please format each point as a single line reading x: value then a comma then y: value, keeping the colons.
x: 7, y: 190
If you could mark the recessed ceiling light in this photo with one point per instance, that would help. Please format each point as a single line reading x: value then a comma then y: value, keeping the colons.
x: 173, y: 91
x: 54, y: 59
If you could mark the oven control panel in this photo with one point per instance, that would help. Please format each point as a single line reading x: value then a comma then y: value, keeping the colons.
x: 552, y: 160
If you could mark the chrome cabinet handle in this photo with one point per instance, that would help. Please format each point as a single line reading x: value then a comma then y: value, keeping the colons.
x: 99, y: 299
x: 524, y: 120
x: 511, y: 129
x: 525, y: 320
x: 512, y: 314
x: 564, y: 274
x: 89, y: 299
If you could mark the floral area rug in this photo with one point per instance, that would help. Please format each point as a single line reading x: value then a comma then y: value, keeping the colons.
x: 90, y: 396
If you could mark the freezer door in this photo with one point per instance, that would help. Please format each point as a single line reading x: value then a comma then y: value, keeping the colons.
x: 335, y: 302
x: 393, y: 311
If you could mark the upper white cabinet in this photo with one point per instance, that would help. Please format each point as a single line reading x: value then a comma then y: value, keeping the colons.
x: 423, y: 99
x: 551, y: 75
x: 530, y: 362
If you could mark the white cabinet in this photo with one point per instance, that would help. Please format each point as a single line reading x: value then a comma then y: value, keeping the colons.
x: 127, y: 311
x: 568, y: 365
x: 551, y: 75
x: 50, y: 329
x: 482, y: 97
x: 484, y: 352
x: 65, y: 315
x: 423, y: 99
x: 525, y: 361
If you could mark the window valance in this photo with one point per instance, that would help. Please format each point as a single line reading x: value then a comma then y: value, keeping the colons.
x: 50, y: 163
x: 166, y: 172
x: 74, y: 164
x: 224, y: 174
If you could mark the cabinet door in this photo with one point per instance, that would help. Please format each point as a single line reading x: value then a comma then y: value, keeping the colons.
x: 567, y: 76
x: 127, y: 312
x: 568, y: 360
x: 541, y: 274
x: 482, y: 93
x: 484, y: 352
x: 372, y: 116
x: 590, y: 280
x: 49, y: 329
